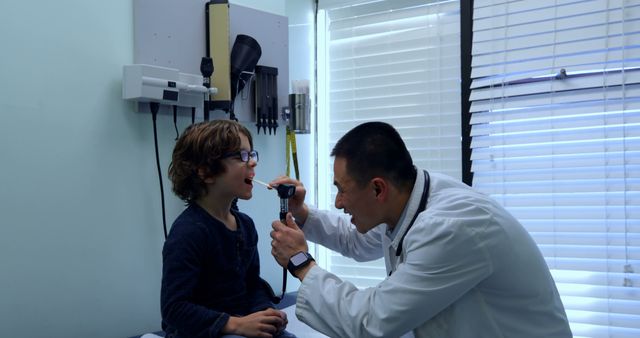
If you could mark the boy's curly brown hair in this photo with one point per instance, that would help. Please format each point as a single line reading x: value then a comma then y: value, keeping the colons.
x: 202, y: 146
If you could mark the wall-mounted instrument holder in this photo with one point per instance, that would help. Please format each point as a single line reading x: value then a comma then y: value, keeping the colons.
x: 266, y: 98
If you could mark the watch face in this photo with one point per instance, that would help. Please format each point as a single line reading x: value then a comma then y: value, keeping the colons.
x: 298, y: 258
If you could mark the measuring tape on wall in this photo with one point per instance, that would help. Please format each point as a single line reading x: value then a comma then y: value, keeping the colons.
x: 292, y: 151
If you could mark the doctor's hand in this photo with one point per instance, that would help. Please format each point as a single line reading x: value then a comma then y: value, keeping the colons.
x: 287, y: 240
x: 296, y: 203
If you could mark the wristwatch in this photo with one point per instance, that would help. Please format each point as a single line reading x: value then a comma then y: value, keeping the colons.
x: 298, y: 261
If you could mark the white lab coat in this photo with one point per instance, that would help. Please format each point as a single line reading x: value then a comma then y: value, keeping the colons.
x: 467, y: 269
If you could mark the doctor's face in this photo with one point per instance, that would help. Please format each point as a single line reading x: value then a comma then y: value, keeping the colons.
x: 359, y: 202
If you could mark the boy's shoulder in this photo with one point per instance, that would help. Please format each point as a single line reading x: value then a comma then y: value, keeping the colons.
x: 190, y: 221
x: 245, y: 222
x: 242, y: 216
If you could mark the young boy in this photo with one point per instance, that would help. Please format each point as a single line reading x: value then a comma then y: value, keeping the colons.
x: 211, y: 285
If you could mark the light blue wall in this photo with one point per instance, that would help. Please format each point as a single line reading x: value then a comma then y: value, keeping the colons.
x: 271, y: 6
x: 80, y: 217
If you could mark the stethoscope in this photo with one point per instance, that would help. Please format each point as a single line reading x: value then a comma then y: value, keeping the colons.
x: 421, y: 207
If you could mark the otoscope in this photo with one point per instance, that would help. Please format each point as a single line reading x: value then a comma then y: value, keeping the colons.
x: 285, y: 191
x: 206, y: 68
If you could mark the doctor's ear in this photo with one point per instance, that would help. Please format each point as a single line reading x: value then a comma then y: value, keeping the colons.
x: 379, y: 186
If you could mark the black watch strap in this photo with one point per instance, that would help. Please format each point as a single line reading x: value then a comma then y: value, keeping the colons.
x: 298, y: 261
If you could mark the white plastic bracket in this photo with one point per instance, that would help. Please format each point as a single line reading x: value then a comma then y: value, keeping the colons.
x: 148, y: 83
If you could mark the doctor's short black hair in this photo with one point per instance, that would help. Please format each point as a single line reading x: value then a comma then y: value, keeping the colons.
x: 202, y: 146
x: 375, y: 149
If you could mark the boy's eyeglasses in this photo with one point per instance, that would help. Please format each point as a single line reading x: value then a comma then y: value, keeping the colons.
x: 244, y: 155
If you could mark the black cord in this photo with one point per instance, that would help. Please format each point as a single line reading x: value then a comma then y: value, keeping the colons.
x: 193, y: 115
x: 154, y: 107
x: 175, y: 121
x: 284, y: 283
x: 284, y: 209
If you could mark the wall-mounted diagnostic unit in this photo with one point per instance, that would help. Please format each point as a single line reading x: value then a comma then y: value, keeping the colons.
x: 147, y: 83
x: 180, y: 34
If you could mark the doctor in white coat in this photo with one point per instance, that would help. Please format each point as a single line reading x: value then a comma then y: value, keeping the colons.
x: 458, y: 264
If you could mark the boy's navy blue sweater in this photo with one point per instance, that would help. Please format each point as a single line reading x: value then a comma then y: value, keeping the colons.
x: 209, y: 273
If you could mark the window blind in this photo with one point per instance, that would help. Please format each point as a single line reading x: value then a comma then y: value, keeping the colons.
x: 392, y: 61
x: 556, y: 139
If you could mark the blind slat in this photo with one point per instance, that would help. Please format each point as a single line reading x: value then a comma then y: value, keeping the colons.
x: 606, y: 96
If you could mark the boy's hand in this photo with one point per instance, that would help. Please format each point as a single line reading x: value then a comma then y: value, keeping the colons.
x: 283, y: 315
x: 263, y: 324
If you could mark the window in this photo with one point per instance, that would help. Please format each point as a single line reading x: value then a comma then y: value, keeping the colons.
x: 392, y: 61
x: 556, y: 139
